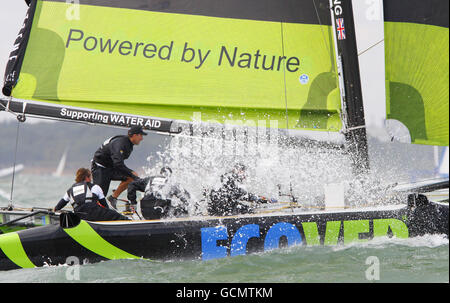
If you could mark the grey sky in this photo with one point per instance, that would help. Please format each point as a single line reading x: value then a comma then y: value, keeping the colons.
x: 369, y: 26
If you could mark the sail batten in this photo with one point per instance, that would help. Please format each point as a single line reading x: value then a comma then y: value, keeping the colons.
x: 227, y: 60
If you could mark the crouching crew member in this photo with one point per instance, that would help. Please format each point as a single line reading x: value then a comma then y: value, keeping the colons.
x: 226, y: 200
x: 162, y: 197
x: 87, y: 199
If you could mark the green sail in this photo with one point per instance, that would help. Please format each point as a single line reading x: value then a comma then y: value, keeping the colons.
x: 227, y: 63
x: 417, y: 68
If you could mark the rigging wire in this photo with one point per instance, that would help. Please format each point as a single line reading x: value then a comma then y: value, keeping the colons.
x: 370, y: 47
x: 10, y: 206
x: 20, y: 118
x: 284, y: 77
x: 421, y: 181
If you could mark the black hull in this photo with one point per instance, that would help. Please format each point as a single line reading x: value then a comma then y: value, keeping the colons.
x: 213, y: 237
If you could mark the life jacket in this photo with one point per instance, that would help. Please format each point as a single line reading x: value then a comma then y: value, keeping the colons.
x: 158, y: 187
x: 80, y: 193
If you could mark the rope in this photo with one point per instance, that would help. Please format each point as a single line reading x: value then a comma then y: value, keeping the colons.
x: 6, y: 108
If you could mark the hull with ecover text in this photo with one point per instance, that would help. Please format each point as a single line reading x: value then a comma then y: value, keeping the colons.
x: 214, y: 237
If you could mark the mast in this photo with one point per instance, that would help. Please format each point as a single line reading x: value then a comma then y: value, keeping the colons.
x: 350, y: 84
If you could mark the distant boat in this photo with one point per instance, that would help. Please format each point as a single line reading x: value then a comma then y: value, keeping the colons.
x: 62, y: 164
x: 5, y: 172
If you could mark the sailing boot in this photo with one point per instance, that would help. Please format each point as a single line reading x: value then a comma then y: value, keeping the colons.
x: 112, y: 201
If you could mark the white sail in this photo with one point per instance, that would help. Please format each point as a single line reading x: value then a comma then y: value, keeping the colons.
x: 61, y: 165
x: 5, y: 172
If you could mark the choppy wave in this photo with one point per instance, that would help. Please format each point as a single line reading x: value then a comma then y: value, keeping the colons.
x: 430, y: 241
x: 421, y: 259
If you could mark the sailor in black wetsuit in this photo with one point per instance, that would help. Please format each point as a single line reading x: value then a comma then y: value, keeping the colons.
x: 108, y: 162
x: 87, y: 200
x: 225, y: 200
x: 162, y: 197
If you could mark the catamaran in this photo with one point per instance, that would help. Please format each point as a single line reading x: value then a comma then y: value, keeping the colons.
x: 157, y: 64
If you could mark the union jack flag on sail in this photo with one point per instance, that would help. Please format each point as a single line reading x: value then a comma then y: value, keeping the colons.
x: 340, y: 28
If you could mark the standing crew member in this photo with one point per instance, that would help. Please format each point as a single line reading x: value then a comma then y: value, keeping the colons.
x: 108, y: 163
x: 87, y: 199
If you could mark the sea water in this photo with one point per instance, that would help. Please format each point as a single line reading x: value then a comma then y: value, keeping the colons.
x: 423, y: 259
